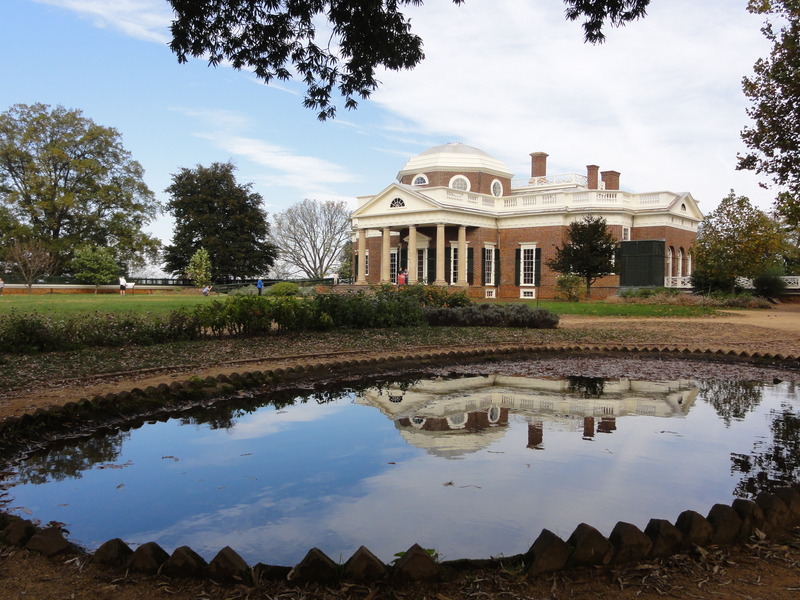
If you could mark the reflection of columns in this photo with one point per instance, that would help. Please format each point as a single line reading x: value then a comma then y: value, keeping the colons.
x: 412, y: 254
x: 588, y: 428
x: 361, y: 276
x: 462, y: 256
x: 535, y: 435
x: 440, y: 280
x: 386, y: 276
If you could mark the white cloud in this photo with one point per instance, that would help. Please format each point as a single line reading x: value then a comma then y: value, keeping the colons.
x: 147, y: 20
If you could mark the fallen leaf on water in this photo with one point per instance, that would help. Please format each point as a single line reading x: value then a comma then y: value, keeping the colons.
x: 121, y: 485
x: 175, y: 458
x: 246, y: 454
x: 448, y: 483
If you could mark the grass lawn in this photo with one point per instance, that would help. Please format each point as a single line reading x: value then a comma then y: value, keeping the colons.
x: 59, y: 305
x: 601, y: 309
x: 67, y: 304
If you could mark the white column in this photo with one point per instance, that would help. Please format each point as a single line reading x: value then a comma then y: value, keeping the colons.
x: 440, y: 280
x: 386, y: 248
x: 462, y: 256
x: 412, y: 254
x: 361, y: 276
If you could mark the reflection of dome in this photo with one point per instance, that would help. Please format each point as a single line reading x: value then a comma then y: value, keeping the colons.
x: 454, y: 156
x: 454, y: 444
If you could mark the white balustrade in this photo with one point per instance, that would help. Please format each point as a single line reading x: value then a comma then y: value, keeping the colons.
x: 678, y: 282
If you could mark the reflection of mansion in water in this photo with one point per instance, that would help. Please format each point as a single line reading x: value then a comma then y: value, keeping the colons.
x: 457, y: 416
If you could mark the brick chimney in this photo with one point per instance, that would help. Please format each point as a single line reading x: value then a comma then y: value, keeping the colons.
x: 591, y: 176
x: 611, y: 179
x: 539, y: 164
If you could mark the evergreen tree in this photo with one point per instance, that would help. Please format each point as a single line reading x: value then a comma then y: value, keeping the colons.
x: 214, y: 212
x: 199, y: 269
x: 588, y: 251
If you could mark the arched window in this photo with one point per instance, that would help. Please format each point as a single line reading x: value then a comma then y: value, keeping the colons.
x: 397, y: 203
x: 680, y: 263
x: 420, y: 180
x: 459, y: 182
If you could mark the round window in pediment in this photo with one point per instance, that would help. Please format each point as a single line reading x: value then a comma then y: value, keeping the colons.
x: 397, y: 203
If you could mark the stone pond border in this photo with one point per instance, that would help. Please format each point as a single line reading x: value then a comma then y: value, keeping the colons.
x: 768, y: 514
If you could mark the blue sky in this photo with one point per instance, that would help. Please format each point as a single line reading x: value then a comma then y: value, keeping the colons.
x: 660, y: 102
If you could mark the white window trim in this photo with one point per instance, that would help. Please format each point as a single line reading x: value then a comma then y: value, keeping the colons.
x: 490, y: 293
x: 402, y: 203
x: 522, y: 283
x: 528, y: 293
x: 455, y: 178
x: 417, y: 176
x: 491, y: 188
x: 490, y: 248
x: 366, y: 263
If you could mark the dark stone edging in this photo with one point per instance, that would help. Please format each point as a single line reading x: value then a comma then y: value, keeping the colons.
x: 769, y: 513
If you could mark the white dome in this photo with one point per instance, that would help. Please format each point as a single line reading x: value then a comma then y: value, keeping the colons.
x: 454, y: 156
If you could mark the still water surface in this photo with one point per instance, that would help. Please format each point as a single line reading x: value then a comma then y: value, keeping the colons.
x: 473, y: 467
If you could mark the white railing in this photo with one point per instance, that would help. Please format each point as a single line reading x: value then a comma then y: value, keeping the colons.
x: 550, y: 180
x: 678, y: 282
x: 792, y: 282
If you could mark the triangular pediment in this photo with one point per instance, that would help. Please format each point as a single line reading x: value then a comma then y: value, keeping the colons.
x: 685, y: 206
x: 396, y: 199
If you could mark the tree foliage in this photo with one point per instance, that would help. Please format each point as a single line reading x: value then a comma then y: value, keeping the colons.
x: 588, y: 251
x: 214, y: 212
x: 68, y: 181
x: 311, y: 235
x: 94, y: 265
x: 199, y: 269
x: 735, y: 240
x: 774, y: 93
x: 334, y: 45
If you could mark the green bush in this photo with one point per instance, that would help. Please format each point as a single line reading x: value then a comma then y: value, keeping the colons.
x: 284, y: 288
x: 769, y: 283
x: 433, y: 296
x: 492, y: 315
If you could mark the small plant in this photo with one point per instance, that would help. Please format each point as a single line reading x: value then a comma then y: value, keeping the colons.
x: 769, y: 283
x: 570, y: 288
x: 283, y: 289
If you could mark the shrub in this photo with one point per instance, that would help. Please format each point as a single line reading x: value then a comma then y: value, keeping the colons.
x: 433, y: 296
x: 284, y: 288
x: 570, y: 287
x: 769, y: 283
x: 492, y: 315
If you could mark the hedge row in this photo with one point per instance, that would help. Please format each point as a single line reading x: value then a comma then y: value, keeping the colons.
x: 261, y: 315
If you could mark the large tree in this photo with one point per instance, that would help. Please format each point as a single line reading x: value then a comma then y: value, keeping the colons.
x: 311, y: 235
x: 331, y: 44
x: 735, y: 240
x: 215, y: 212
x: 588, y: 251
x: 774, y: 93
x: 68, y: 181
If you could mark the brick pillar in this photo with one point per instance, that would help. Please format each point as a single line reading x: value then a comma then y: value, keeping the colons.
x: 535, y: 434
x: 591, y: 176
x: 539, y: 164
x: 611, y: 179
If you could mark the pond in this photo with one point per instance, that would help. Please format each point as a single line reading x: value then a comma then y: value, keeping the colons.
x: 470, y: 465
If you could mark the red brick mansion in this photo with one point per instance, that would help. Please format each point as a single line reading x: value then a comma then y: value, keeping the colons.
x: 457, y: 217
